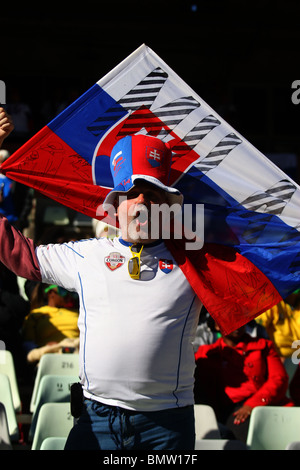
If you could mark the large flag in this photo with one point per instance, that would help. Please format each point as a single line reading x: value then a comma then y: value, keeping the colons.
x: 251, y: 256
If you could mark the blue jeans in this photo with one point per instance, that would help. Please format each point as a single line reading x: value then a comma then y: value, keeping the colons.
x: 103, y: 427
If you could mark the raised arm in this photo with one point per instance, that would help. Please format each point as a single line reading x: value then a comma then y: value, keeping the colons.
x: 17, y: 252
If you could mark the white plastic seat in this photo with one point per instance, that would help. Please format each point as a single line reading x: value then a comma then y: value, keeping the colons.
x: 273, y: 427
x: 7, y: 366
x: 54, y: 364
x: 7, y: 400
x: 5, y: 443
x: 53, y: 443
x: 52, y: 389
x: 206, y: 425
x: 54, y: 420
x: 219, y: 444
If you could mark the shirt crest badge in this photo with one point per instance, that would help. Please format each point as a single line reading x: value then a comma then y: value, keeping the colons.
x: 166, y: 265
x: 114, y: 260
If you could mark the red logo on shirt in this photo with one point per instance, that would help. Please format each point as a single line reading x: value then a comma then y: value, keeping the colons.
x: 114, y: 260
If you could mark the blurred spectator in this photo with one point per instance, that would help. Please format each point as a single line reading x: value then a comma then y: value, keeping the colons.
x: 236, y: 374
x: 207, y: 333
x: 53, y: 318
x: 282, y: 323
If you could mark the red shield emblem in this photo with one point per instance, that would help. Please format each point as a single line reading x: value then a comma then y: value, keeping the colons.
x: 166, y: 265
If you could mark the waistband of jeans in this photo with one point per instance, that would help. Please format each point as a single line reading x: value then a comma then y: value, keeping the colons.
x: 131, y: 411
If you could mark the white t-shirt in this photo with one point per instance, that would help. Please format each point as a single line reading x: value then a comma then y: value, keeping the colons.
x: 136, y: 336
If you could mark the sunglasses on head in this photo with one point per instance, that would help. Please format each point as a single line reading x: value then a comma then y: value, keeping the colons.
x: 134, y: 264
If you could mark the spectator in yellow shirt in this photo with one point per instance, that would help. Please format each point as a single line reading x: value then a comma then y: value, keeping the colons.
x: 282, y: 323
x: 53, y: 324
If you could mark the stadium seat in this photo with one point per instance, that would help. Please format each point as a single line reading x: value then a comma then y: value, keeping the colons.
x: 206, y: 425
x: 5, y: 443
x: 7, y: 400
x: 219, y: 444
x: 53, y: 443
x: 273, y: 427
x: 54, y: 364
x: 7, y: 367
x: 52, y: 389
x: 54, y: 420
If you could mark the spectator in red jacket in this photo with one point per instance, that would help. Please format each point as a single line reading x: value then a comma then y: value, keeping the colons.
x: 237, y: 373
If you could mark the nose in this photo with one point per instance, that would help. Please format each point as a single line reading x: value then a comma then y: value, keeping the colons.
x: 141, y: 199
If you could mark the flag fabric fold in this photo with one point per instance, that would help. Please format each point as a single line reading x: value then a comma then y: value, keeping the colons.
x: 251, y: 254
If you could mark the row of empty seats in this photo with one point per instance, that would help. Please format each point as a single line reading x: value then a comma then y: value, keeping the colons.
x: 271, y: 428
x: 55, y: 374
x: 50, y: 401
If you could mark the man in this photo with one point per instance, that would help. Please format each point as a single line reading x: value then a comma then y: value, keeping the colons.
x: 138, y: 313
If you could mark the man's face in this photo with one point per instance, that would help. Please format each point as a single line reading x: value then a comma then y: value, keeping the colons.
x: 134, y: 213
